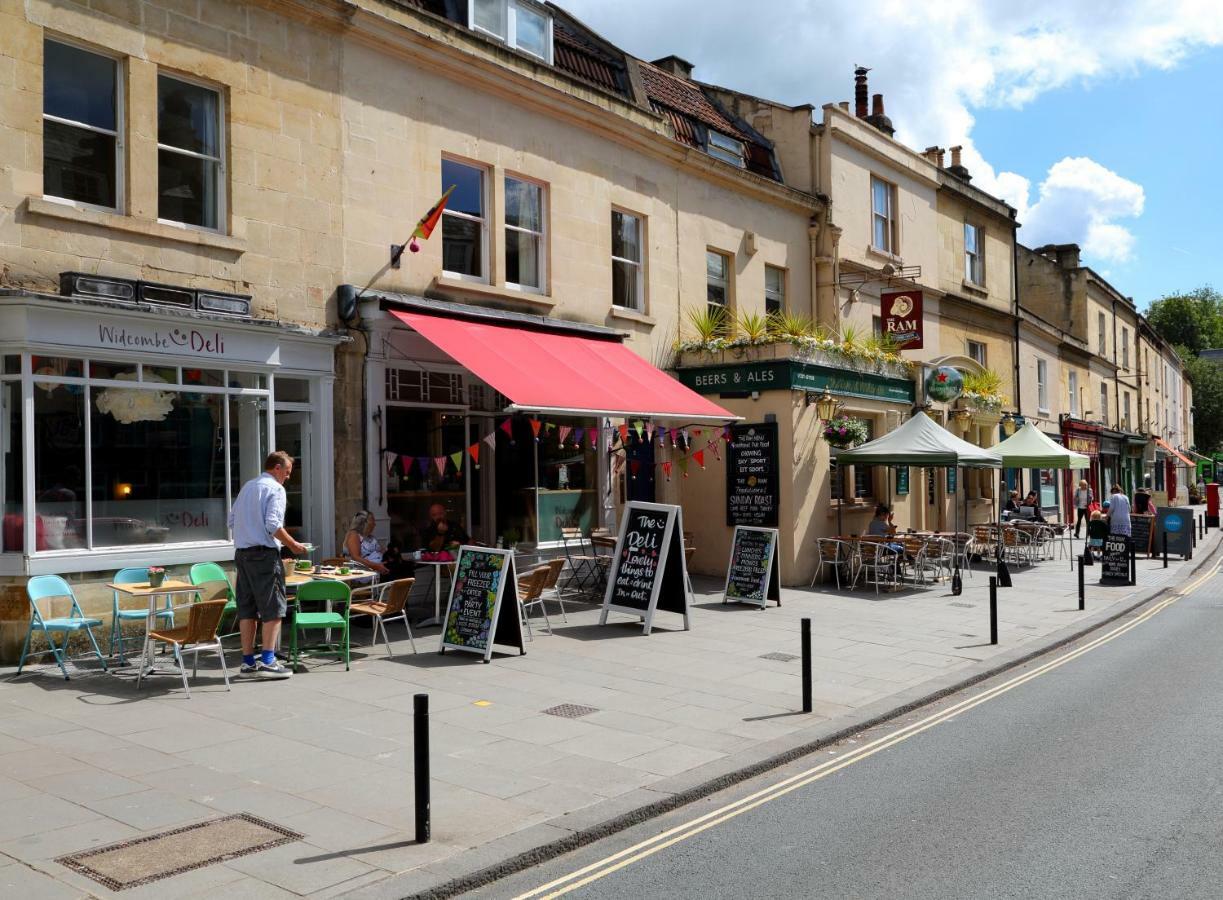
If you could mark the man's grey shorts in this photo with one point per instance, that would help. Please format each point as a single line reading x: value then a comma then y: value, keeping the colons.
x: 260, y: 591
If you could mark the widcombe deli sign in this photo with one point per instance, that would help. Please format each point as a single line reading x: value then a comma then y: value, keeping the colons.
x: 787, y: 375
x: 169, y: 340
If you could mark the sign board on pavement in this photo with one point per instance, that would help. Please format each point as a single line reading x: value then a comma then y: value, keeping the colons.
x: 1115, y: 565
x: 483, y: 582
x: 1177, y: 523
x: 648, y: 571
x: 753, y: 576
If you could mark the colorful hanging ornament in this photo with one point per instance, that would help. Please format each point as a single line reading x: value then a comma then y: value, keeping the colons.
x: 649, y: 431
x: 507, y: 426
x: 674, y: 432
x: 699, y: 456
x: 683, y: 466
x: 405, y: 463
x: 635, y: 467
x: 422, y: 463
x: 535, y: 425
x: 440, y: 462
x: 666, y: 470
x: 474, y: 452
x: 457, y: 458
x: 388, y: 460
x: 639, y: 427
x: 562, y: 433
x: 624, y: 434
x: 578, y: 433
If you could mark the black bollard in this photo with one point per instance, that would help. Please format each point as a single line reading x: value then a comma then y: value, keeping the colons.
x: 1193, y: 533
x: 806, y: 665
x: 1082, y: 597
x: 420, y: 764
x: 1165, y: 538
x: 1133, y: 565
x: 993, y: 609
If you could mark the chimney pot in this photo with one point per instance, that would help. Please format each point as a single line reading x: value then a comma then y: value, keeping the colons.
x: 844, y: 104
x: 877, y: 105
x: 941, y: 157
x: 860, y: 92
x: 955, y: 156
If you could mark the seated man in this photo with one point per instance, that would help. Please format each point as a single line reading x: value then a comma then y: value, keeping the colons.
x: 441, y: 533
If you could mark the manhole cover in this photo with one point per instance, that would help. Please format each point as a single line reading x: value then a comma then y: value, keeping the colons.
x: 570, y: 711
x: 143, y: 860
x: 780, y: 657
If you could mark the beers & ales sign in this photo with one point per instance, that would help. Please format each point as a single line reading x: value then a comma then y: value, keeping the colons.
x: 902, y: 318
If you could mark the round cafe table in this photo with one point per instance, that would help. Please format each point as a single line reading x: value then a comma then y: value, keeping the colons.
x: 437, y: 589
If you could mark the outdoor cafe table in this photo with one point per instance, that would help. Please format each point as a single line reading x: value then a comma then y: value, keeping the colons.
x: 168, y: 588
x: 437, y: 589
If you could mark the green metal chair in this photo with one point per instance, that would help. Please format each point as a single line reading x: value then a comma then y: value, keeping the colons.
x: 210, y: 571
x: 329, y: 593
x: 133, y: 575
x: 46, y: 587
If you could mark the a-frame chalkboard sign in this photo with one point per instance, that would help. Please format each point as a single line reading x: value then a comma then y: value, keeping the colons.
x: 648, y: 572
x: 483, y: 583
x: 753, y: 574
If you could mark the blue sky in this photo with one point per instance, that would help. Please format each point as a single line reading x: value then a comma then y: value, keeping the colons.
x: 1099, y: 120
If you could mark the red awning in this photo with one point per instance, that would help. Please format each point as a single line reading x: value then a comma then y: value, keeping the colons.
x: 1182, y: 457
x: 544, y: 371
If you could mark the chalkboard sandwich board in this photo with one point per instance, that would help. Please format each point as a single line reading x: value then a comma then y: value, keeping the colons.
x: 753, y: 475
x: 1115, y: 564
x: 648, y: 572
x: 1177, y: 523
x: 483, y: 583
x: 1142, y: 529
x: 753, y: 576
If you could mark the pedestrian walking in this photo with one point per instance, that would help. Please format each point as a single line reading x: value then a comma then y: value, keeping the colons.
x: 258, y: 523
x: 1119, y: 512
x: 1083, y: 498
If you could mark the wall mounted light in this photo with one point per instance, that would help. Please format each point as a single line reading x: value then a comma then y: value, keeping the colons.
x: 123, y: 490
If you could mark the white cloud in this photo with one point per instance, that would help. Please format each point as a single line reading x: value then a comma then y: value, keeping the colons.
x: 935, y: 63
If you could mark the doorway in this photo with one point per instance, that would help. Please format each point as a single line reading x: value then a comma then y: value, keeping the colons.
x: 293, y: 435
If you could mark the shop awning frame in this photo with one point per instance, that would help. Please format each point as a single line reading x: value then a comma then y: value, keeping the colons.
x: 1160, y: 442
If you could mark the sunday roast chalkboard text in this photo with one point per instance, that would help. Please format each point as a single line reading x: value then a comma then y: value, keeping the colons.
x: 648, y: 571
x: 483, y: 582
x: 752, y: 576
x: 752, y: 477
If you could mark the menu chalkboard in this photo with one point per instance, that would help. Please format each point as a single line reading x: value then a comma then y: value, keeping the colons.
x: 752, y: 475
x: 648, y: 571
x: 483, y: 581
x: 1177, y: 524
x: 1115, y: 565
x: 1142, y: 529
x: 752, y: 576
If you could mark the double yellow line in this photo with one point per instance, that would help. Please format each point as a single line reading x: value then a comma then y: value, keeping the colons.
x: 693, y: 827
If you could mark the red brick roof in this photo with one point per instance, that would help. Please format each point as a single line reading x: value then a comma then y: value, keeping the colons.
x: 683, y: 96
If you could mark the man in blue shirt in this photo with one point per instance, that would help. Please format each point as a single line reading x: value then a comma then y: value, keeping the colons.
x: 258, y: 523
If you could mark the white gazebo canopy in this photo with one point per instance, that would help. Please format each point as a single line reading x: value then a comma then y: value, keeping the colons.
x: 1029, y: 448
x: 921, y: 442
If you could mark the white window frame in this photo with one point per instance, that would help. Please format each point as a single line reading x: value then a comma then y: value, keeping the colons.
x: 975, y: 357
x: 1125, y: 419
x: 1074, y: 393
x: 1104, y: 402
x: 726, y: 148
x: 541, y: 235
x: 509, y: 26
x: 974, y: 259
x: 1042, y: 385
x: 1103, y: 345
x: 1125, y: 348
x: 778, y: 296
x: 639, y: 264
x: 483, y: 221
x: 118, y: 133
x: 222, y: 140
x: 889, y: 218
x: 728, y: 259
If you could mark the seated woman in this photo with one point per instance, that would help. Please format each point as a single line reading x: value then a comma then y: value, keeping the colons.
x: 1012, y: 503
x: 363, y: 548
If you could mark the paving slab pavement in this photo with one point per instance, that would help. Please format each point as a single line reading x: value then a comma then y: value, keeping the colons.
x: 329, y: 753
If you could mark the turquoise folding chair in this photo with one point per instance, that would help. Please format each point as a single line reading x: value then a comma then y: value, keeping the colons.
x: 134, y: 575
x: 210, y: 571
x: 46, y: 587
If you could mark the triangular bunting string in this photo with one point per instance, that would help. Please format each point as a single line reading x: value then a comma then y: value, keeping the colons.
x: 624, y: 434
x: 666, y: 470
x: 535, y: 425
x: 405, y: 463
x: 474, y: 452
x: 491, y: 440
x: 683, y: 466
x: 562, y: 433
x: 457, y: 459
x: 440, y: 462
x: 639, y: 427
x: 423, y: 463
x: 699, y: 456
x: 635, y: 467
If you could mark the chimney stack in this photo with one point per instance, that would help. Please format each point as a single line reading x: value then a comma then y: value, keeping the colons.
x: 860, y: 91
x: 844, y: 104
x: 878, y: 118
x: 675, y: 65
x: 957, y: 167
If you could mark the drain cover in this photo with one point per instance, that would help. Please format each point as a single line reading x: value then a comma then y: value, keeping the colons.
x: 780, y: 657
x: 962, y: 605
x: 570, y: 711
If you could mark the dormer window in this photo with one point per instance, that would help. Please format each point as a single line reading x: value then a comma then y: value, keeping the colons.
x: 519, y: 23
x: 725, y: 148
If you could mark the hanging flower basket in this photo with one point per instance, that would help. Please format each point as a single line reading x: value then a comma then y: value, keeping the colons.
x: 843, y: 432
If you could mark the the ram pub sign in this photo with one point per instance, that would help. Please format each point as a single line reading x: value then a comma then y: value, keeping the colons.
x: 902, y: 318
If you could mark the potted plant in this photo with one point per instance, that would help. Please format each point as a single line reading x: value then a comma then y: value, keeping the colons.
x: 843, y: 432
x: 157, y: 576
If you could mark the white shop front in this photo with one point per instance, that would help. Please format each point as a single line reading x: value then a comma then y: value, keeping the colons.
x: 126, y: 431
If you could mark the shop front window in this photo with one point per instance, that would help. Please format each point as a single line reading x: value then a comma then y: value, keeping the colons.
x: 567, y: 478
x: 419, y: 438
x: 13, y: 461
x: 59, y: 474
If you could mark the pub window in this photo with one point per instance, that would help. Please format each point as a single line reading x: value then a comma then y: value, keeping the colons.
x: 1074, y: 393
x: 190, y: 153
x: 1103, y: 336
x: 1104, y: 403
x: 717, y: 280
x: 864, y: 476
x: 465, y: 222
x: 774, y: 289
x: 525, y: 243
x: 726, y: 148
x: 884, y: 237
x: 1125, y: 422
x: 976, y: 352
x: 1125, y: 348
x: 627, y: 250
x: 82, y: 126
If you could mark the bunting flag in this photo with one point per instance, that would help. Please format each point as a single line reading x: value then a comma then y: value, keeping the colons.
x: 562, y: 433
x: 535, y: 423
x: 405, y: 463
x: 662, y: 436
x: 635, y: 467
x: 474, y: 452
x: 624, y: 434
x: 423, y: 463
x: 713, y: 445
x: 578, y: 432
x: 674, y: 431
x: 699, y: 456
x: 726, y: 433
x: 683, y: 466
x: 508, y: 427
x: 440, y: 462
x: 696, y: 432
x: 639, y: 427
x: 666, y: 470
x: 388, y: 459
x: 429, y: 221
x: 457, y: 459
x: 549, y: 427
x: 649, y: 431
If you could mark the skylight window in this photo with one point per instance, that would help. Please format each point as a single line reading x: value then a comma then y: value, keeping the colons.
x: 522, y: 24
x: 725, y: 148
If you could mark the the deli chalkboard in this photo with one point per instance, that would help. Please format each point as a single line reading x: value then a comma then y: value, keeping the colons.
x: 1177, y: 523
x: 483, y: 583
x: 1115, y: 564
x: 753, y: 483
x: 1142, y: 529
x: 752, y: 576
x: 648, y: 571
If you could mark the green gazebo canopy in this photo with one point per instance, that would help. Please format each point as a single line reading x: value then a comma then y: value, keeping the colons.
x: 1029, y: 448
x: 921, y: 442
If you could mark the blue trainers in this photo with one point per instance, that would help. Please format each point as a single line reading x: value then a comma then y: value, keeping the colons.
x: 272, y: 671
